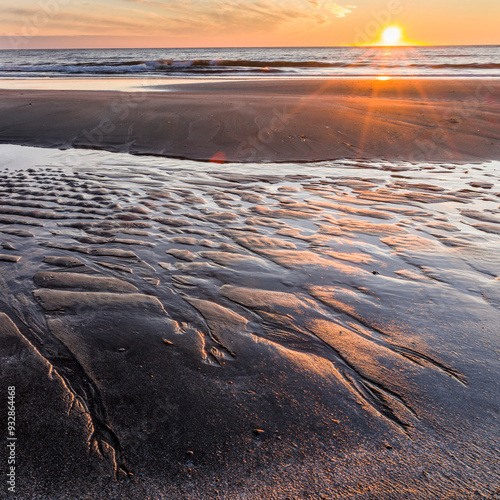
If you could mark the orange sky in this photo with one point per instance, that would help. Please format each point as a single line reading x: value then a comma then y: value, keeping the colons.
x: 223, y: 23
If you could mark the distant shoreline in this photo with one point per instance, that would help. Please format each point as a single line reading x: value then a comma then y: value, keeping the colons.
x: 141, y: 83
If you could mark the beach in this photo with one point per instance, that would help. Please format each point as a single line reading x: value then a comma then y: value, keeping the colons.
x: 276, y: 289
x: 268, y: 120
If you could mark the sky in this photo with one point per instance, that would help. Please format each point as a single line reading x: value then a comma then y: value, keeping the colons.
x: 243, y: 23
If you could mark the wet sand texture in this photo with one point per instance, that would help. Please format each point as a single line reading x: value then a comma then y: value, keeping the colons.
x: 276, y: 121
x: 201, y: 331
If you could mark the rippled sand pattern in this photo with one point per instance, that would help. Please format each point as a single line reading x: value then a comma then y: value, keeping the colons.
x: 328, y: 317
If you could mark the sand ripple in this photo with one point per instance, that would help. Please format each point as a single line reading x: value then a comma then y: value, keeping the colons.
x: 362, y: 294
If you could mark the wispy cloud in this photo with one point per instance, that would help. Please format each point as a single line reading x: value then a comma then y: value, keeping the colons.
x: 334, y: 8
x: 155, y: 17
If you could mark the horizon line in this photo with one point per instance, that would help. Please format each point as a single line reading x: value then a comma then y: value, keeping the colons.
x: 365, y: 45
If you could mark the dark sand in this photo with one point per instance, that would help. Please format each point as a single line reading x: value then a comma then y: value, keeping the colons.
x: 197, y: 331
x: 272, y: 121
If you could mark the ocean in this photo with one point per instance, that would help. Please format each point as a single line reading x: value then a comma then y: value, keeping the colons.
x: 415, y: 61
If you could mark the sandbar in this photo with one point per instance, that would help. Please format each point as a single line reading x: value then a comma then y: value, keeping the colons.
x: 268, y: 120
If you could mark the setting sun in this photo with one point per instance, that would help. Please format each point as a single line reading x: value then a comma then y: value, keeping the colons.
x: 392, y: 35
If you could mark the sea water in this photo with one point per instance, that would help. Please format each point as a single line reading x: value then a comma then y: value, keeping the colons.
x: 415, y: 61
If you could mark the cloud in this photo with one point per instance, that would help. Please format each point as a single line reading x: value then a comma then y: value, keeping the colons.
x: 183, y: 17
x: 332, y: 7
x: 35, y: 20
x: 338, y: 10
x: 249, y: 15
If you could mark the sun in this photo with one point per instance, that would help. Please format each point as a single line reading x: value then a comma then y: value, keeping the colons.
x: 392, y: 35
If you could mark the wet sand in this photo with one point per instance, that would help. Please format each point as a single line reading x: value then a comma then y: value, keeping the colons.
x: 185, y: 330
x: 268, y: 121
